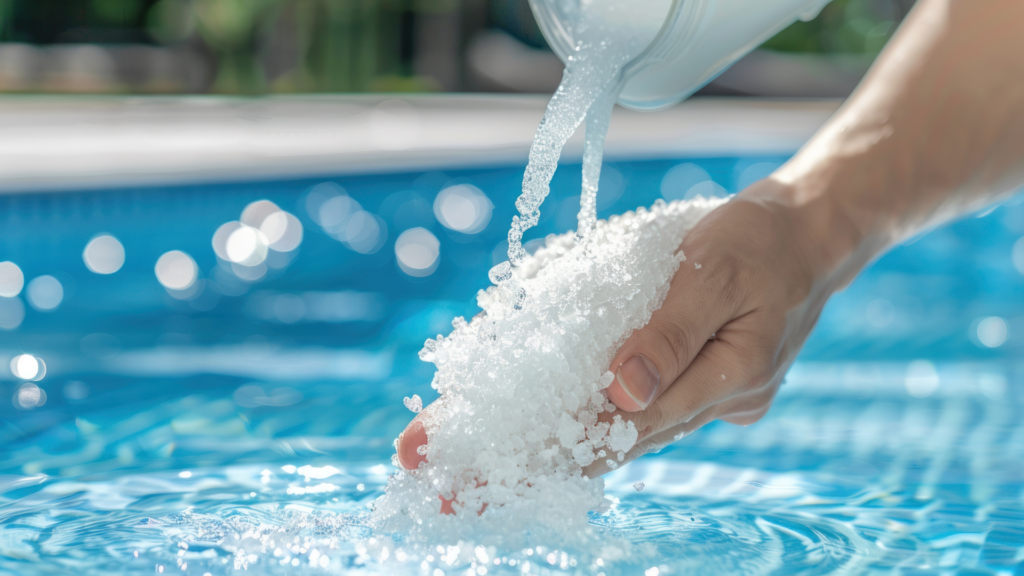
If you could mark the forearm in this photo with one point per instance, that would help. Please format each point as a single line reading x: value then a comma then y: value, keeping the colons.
x: 936, y: 128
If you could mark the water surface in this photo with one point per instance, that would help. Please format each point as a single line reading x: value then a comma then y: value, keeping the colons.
x: 249, y: 425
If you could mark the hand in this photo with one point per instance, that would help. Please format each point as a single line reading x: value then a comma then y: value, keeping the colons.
x: 755, y: 278
x: 739, y: 309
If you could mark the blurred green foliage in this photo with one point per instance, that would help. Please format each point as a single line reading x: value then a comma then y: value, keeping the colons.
x: 258, y: 46
x: 845, y: 27
x: 335, y: 45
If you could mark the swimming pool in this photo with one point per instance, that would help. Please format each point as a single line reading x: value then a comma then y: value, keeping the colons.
x: 248, y: 425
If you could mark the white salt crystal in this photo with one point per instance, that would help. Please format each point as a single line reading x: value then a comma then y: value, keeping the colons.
x: 638, y: 486
x: 517, y: 417
x: 621, y: 435
x: 521, y: 386
x: 415, y: 403
x: 570, y: 432
x: 583, y: 453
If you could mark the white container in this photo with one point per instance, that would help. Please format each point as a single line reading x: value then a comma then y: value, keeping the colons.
x: 694, y: 40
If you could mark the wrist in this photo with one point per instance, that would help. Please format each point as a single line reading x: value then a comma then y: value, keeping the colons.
x: 833, y: 245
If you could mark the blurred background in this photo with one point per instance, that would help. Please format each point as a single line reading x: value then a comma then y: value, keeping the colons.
x: 286, y: 46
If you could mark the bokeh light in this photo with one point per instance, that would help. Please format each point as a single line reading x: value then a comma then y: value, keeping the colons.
x: 418, y: 252
x: 687, y: 181
x: 246, y: 246
x: 992, y: 331
x: 282, y: 230
x: 263, y: 238
x: 753, y: 173
x: 104, y: 254
x: 45, y: 293
x: 341, y: 218
x: 12, y: 313
x: 249, y: 273
x: 28, y: 367
x: 176, y: 270
x: 29, y: 396
x: 880, y: 313
x: 922, y: 379
x: 463, y: 208
x: 319, y: 195
x: 256, y: 212
x: 992, y: 385
x: 612, y: 185
x: 220, y: 239
x: 11, y: 280
x: 363, y: 232
x: 334, y: 211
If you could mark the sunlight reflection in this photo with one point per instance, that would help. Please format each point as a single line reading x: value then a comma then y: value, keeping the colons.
x: 45, y: 293
x: 104, y: 254
x: 28, y: 367
x: 249, y: 273
x: 463, y: 208
x: 362, y: 232
x: 29, y: 396
x: 176, y: 270
x: 256, y: 212
x: 282, y: 230
x: 264, y: 238
x: 11, y: 280
x: 220, y: 239
x: 12, y: 313
x: 343, y: 219
x: 418, y: 252
x: 247, y: 246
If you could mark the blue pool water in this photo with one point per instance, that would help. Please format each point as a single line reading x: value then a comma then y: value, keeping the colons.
x: 248, y: 425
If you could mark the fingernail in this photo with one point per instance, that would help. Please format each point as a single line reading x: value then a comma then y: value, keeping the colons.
x: 639, y: 379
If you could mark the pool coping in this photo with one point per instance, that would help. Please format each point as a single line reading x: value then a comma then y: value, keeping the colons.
x: 87, y: 142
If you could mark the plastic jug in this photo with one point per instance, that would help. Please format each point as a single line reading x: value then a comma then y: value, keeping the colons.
x: 694, y: 40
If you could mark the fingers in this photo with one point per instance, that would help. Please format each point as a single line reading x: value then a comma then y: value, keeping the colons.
x: 747, y: 409
x: 736, y: 363
x: 697, y: 306
x: 652, y: 442
x: 414, y: 436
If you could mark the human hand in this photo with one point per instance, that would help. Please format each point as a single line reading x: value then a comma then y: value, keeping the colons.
x: 756, y: 275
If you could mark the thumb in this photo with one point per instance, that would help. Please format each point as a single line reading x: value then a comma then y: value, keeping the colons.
x: 654, y: 357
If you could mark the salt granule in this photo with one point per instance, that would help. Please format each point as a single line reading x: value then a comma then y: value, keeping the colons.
x: 415, y: 403
x: 638, y: 486
x: 523, y: 410
x: 523, y: 406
